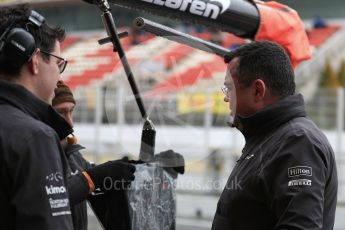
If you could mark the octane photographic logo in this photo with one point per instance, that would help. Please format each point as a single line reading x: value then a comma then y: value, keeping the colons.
x: 211, y: 9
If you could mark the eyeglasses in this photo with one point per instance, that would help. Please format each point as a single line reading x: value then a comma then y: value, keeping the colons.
x: 62, y: 61
x: 225, y: 90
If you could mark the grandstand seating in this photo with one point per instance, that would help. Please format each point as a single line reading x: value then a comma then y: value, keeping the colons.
x: 173, y: 55
x: 190, y: 76
x: 206, y: 35
x: 318, y: 36
x: 184, y: 66
x: 230, y: 40
x: 69, y: 41
x: 89, y: 61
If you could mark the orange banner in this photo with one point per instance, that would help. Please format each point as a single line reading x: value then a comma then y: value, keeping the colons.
x: 283, y: 25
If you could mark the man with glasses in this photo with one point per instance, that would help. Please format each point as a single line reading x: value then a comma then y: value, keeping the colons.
x: 61, y: 62
x: 33, y: 192
x: 286, y: 177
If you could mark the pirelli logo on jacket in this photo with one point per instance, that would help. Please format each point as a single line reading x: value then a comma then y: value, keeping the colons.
x: 294, y: 173
x: 299, y: 182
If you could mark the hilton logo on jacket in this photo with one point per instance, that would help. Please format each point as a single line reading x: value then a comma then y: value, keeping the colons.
x: 300, y: 171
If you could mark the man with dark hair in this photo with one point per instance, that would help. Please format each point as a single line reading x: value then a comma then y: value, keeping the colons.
x: 286, y: 176
x: 33, y: 194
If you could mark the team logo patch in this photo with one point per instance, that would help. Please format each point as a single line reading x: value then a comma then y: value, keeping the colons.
x: 300, y: 171
x: 55, y: 177
x: 299, y: 182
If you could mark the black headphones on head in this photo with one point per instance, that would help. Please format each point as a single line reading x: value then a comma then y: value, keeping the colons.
x: 17, y: 44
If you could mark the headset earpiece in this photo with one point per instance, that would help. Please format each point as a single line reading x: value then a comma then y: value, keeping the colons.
x: 17, y: 44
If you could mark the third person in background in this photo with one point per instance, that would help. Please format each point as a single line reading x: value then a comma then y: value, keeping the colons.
x: 84, y: 178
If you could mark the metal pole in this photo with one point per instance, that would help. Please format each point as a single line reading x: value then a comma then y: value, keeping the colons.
x: 177, y: 36
x: 110, y: 27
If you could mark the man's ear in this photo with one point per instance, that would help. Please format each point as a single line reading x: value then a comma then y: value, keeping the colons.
x: 259, y: 89
x: 34, y: 62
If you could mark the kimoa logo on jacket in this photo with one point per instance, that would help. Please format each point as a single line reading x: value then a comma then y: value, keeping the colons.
x: 55, y: 189
x: 206, y: 9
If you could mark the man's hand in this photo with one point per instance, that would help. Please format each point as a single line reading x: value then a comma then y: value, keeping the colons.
x: 112, y: 175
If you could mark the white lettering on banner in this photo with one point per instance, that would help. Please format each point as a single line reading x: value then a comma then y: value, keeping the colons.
x: 55, y: 190
x: 197, y: 7
x: 299, y: 182
x: 300, y: 171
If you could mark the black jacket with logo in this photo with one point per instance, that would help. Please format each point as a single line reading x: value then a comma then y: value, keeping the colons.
x: 286, y: 177
x: 111, y: 208
x: 32, y: 163
x: 78, y: 186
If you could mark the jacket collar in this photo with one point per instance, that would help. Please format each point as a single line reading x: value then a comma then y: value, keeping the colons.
x: 71, y: 148
x: 19, y: 97
x: 273, y: 116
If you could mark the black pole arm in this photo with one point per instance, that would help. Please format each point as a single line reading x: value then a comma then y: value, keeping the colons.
x: 177, y: 36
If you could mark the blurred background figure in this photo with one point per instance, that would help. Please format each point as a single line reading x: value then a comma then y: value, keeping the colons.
x: 84, y: 178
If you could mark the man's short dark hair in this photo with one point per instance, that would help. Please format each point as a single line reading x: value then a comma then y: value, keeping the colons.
x: 267, y: 61
x: 45, y: 36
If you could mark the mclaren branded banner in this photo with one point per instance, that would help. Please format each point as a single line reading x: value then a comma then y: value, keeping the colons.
x: 199, y: 102
x: 240, y: 17
x: 245, y: 18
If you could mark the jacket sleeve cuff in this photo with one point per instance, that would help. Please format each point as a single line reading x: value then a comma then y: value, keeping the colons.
x: 89, y: 181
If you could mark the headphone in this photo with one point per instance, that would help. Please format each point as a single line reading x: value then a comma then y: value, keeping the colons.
x: 17, y: 44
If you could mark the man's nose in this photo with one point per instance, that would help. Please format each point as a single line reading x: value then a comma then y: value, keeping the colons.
x: 69, y: 119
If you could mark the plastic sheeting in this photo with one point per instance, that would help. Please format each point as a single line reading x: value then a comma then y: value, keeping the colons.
x: 152, y: 199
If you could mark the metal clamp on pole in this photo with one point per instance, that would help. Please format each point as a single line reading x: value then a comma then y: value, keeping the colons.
x: 108, y: 39
x: 177, y: 36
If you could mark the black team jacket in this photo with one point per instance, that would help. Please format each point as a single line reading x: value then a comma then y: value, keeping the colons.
x: 33, y: 166
x: 286, y: 176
